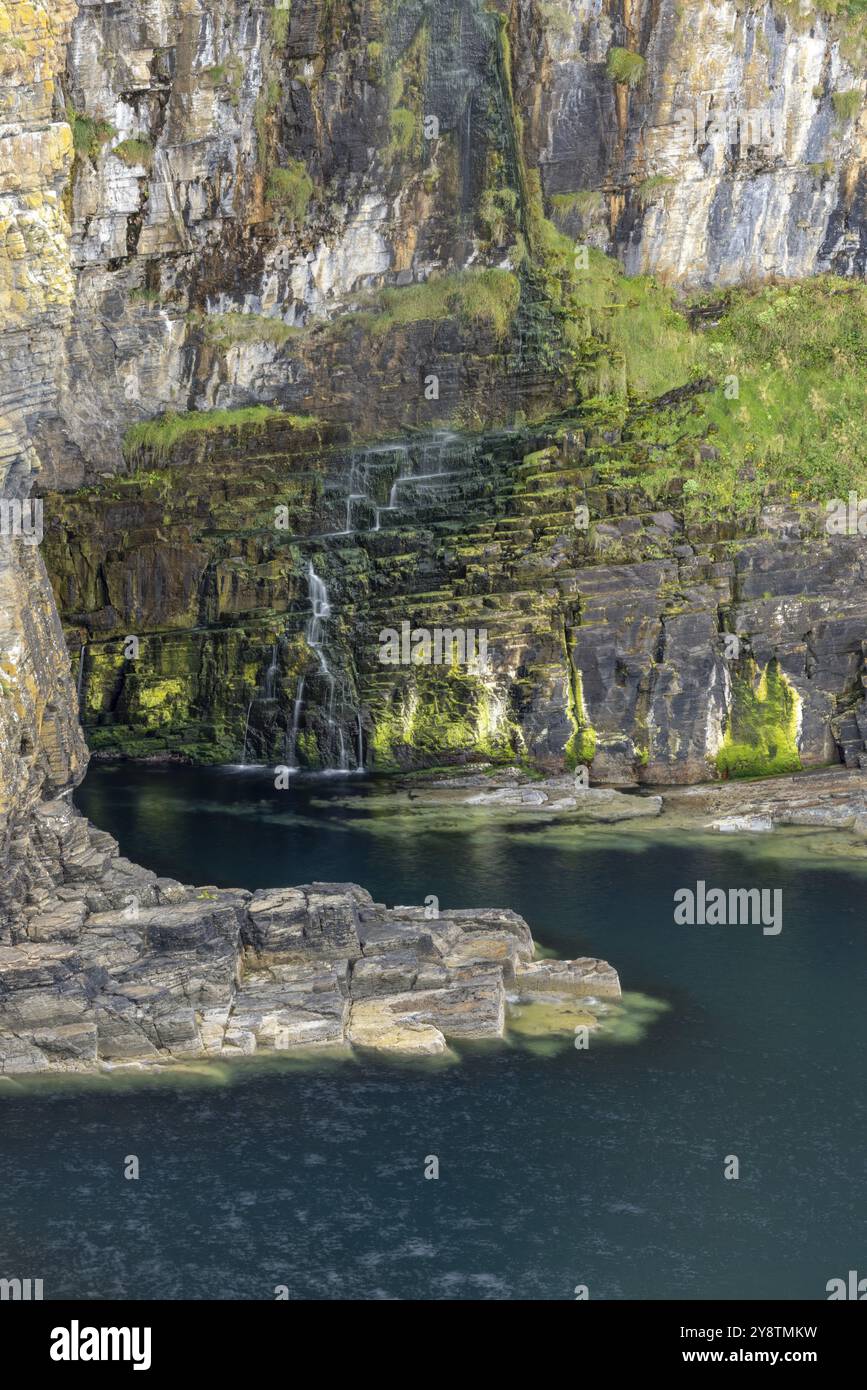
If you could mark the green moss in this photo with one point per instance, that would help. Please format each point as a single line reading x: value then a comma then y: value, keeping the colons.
x: 407, y: 80
x: 585, y: 202
x: 651, y: 188
x: 134, y: 152
x: 442, y: 713
x: 762, y: 735
x: 404, y: 129
x: 266, y: 104
x: 847, y: 104
x: 580, y: 749
x: 281, y: 18
x: 161, y: 704
x: 497, y: 209
x: 88, y: 135
x: 291, y: 189
x: 227, y: 330
x: 160, y: 435
x: 482, y: 296
x: 625, y: 66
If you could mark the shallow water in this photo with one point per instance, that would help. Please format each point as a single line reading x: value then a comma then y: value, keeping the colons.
x: 601, y: 1167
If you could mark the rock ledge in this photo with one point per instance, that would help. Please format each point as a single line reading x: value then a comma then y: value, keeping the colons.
x: 107, y: 964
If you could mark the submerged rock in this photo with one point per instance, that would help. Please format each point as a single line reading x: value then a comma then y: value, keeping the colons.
x: 105, y: 963
x: 561, y: 795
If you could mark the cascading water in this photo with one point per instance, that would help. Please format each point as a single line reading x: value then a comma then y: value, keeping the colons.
x: 429, y: 469
x: 385, y: 483
x: 339, y: 694
x: 246, y: 734
x: 80, y: 686
x: 269, y: 685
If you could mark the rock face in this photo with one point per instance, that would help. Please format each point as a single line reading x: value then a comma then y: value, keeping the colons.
x: 733, y: 149
x: 830, y: 800
x: 107, y: 963
x: 41, y: 746
x: 283, y: 161
x: 240, y: 156
x: 657, y: 646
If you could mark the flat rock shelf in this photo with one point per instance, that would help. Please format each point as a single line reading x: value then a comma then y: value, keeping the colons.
x: 114, y: 966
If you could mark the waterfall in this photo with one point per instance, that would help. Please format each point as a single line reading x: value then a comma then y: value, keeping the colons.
x: 296, y: 715
x: 269, y: 686
x: 384, y: 480
x: 339, y: 697
x: 80, y: 685
x: 246, y: 731
x: 427, y: 464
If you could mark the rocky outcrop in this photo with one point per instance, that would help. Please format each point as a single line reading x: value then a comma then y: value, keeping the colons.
x: 708, y: 143
x: 106, y: 963
x: 656, y: 646
x: 229, y: 206
x: 823, y: 800
x: 282, y: 163
x: 41, y: 746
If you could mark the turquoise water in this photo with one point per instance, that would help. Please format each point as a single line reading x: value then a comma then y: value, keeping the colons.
x: 602, y: 1168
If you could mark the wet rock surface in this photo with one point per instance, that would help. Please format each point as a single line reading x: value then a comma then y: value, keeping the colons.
x: 564, y: 795
x: 835, y: 799
x: 107, y: 963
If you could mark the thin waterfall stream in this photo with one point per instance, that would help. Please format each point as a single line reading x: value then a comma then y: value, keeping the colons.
x: 385, y: 488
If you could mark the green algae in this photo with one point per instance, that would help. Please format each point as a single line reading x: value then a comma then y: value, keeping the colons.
x: 440, y: 711
x: 548, y: 1027
x: 164, y: 433
x: 761, y: 738
x: 580, y: 748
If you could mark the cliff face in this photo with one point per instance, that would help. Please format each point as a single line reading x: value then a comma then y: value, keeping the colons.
x: 281, y: 161
x: 659, y: 645
x: 340, y: 211
x: 237, y: 156
x: 41, y: 747
x: 732, y: 149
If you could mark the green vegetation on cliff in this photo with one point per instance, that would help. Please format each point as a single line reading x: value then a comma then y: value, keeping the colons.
x: 88, y: 135
x: 777, y: 379
x: 160, y: 436
x: 626, y: 67
x: 442, y: 713
x: 481, y: 296
x: 291, y: 188
x: 762, y: 734
x: 138, y: 151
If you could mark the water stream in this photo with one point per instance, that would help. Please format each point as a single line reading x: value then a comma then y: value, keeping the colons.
x: 387, y: 485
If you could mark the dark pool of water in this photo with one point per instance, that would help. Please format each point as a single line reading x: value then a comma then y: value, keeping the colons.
x: 602, y: 1168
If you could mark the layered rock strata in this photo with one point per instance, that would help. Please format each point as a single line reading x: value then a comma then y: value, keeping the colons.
x: 657, y: 645
x: 106, y: 963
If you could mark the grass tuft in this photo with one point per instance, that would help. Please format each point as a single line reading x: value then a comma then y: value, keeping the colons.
x: 162, y: 434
